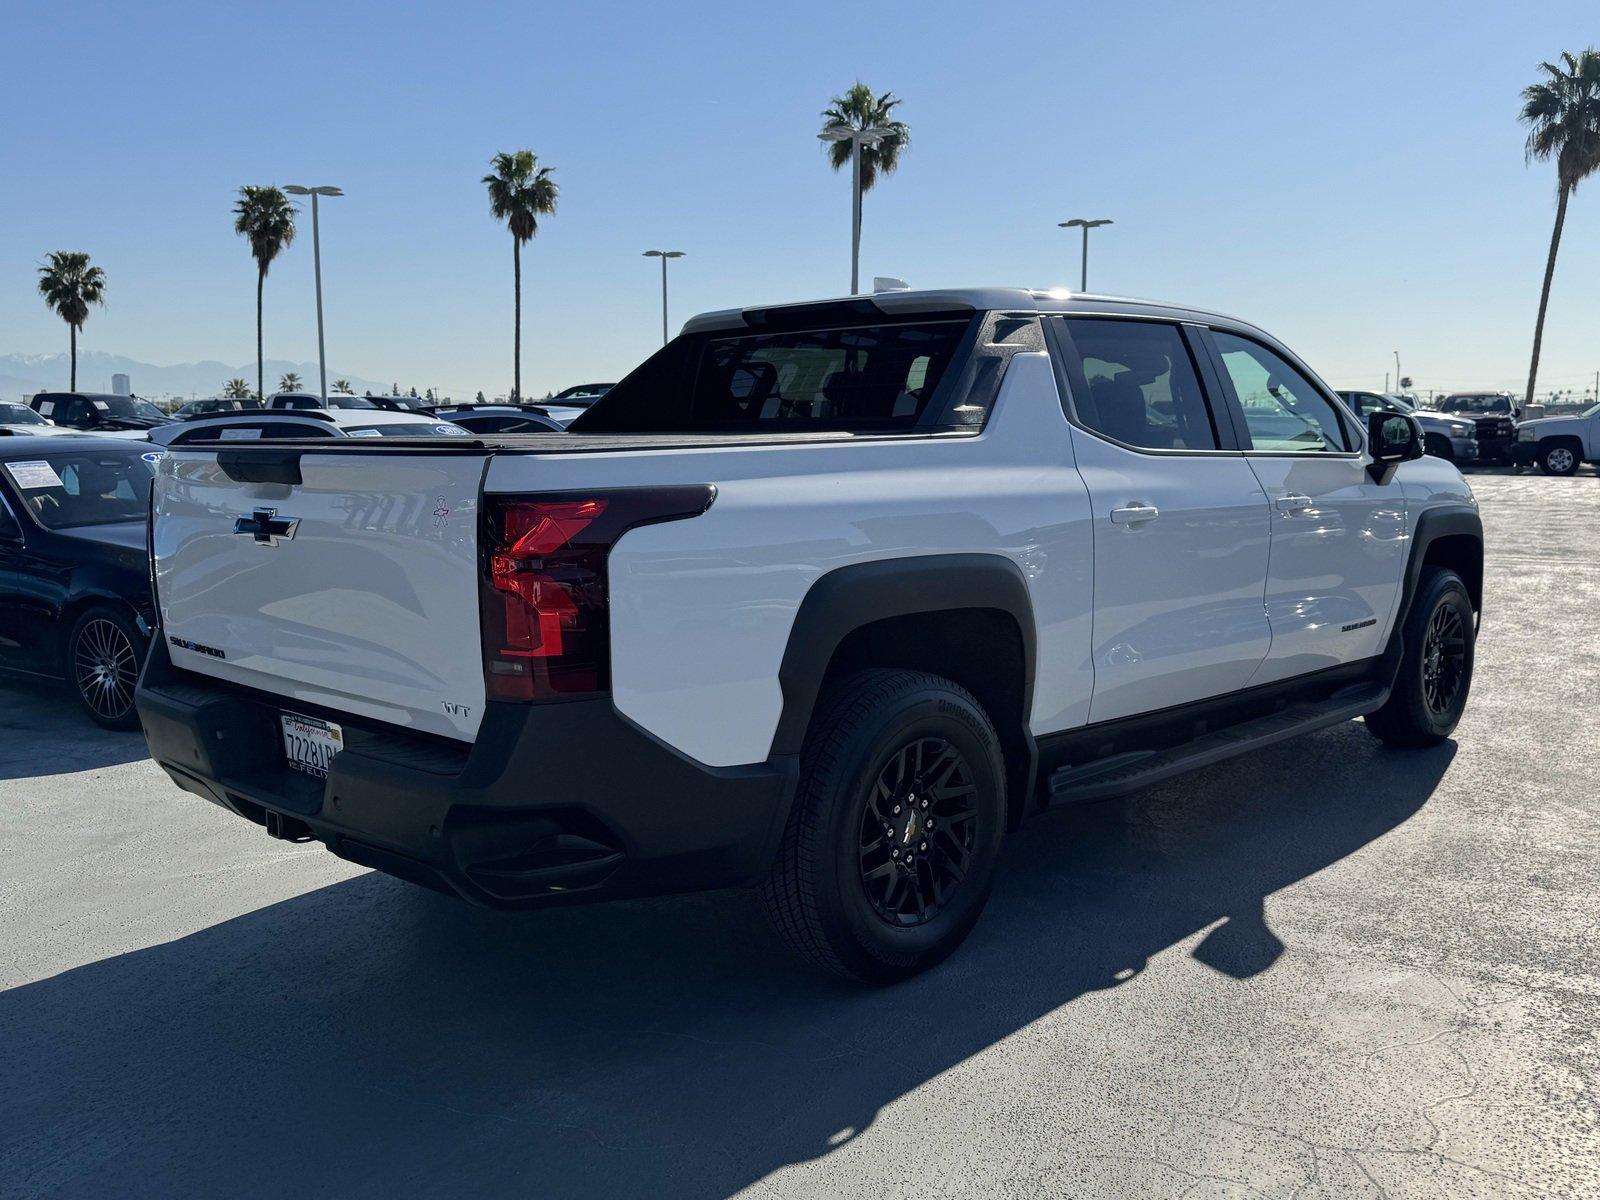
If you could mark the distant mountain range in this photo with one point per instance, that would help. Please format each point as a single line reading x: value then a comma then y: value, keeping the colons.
x: 24, y: 374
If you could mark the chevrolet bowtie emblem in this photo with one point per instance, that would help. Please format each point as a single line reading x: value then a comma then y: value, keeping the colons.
x: 266, y: 526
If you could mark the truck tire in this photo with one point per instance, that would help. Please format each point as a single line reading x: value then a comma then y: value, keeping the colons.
x: 1435, y: 674
x: 1439, y: 446
x: 889, y: 853
x: 1558, y: 457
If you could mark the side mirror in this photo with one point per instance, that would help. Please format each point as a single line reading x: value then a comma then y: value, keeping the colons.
x: 10, y: 531
x: 1392, y: 438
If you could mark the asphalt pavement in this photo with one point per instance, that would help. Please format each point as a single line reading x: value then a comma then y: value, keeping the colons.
x: 1331, y: 969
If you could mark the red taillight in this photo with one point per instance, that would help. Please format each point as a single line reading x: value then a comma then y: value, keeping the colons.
x: 546, y: 633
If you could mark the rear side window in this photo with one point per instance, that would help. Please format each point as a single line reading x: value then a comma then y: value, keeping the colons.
x: 869, y: 378
x: 1139, y: 385
x: 1283, y: 411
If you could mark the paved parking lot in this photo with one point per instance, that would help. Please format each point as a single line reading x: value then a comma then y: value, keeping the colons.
x: 1329, y: 970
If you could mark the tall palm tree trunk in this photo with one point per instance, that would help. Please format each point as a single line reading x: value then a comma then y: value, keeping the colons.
x: 516, y: 352
x: 1544, y: 295
x: 261, y: 366
x: 73, y: 385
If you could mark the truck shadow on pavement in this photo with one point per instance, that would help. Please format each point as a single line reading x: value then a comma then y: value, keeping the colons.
x: 371, y: 1039
x: 44, y: 731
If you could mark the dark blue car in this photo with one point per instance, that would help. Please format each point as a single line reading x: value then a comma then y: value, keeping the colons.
x: 75, y: 599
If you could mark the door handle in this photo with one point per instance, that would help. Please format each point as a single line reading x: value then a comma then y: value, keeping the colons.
x: 1292, y: 503
x: 1134, y: 514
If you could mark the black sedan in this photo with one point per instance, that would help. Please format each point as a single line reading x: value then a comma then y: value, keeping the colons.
x: 75, y: 598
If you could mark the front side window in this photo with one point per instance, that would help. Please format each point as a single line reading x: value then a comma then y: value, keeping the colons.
x: 1139, y: 385
x: 1283, y: 412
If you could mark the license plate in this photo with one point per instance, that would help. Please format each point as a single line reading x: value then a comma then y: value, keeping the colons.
x: 309, y: 744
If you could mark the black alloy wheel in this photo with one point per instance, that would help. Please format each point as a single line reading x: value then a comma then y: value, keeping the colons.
x: 103, y: 656
x: 917, y: 831
x: 1444, y: 659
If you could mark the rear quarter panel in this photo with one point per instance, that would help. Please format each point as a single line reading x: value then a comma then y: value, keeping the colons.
x: 701, y: 610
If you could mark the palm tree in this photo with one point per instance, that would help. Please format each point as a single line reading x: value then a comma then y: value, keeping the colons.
x: 1562, y: 113
x: 341, y: 387
x: 265, y: 216
x: 289, y: 382
x: 520, y: 192
x: 860, y: 108
x: 69, y: 285
x: 236, y: 389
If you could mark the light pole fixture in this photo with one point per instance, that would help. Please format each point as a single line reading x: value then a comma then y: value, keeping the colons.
x: 1080, y: 223
x: 663, y: 255
x: 872, y: 135
x: 1397, y: 384
x: 294, y: 189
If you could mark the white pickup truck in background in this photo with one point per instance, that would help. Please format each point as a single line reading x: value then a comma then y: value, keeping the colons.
x: 1559, y: 445
x: 820, y: 599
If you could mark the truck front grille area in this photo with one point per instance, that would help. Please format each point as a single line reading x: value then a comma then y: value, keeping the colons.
x: 1495, y: 431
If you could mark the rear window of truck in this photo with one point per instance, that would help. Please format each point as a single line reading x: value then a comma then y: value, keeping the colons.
x: 873, y: 378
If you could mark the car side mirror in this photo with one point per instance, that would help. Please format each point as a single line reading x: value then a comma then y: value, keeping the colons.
x: 1392, y: 438
x: 10, y: 531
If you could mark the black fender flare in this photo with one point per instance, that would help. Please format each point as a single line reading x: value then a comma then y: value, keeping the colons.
x: 847, y: 598
x: 1441, y: 520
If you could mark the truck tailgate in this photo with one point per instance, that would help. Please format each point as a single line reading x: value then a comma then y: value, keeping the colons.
x: 350, y: 582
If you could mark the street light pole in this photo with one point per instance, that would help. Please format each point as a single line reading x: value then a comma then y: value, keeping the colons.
x: 1080, y: 223
x: 857, y: 138
x: 316, y: 259
x: 1397, y: 384
x: 663, y: 255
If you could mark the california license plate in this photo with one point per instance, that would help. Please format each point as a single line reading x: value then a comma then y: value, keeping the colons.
x: 309, y: 744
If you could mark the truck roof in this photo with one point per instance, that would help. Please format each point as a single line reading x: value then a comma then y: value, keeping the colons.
x: 978, y: 299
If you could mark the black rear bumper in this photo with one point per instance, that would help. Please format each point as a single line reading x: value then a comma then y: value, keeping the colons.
x: 552, y: 803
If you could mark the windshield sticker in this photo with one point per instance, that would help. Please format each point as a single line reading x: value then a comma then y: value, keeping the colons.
x: 152, y: 456
x: 30, y: 476
x: 46, y: 407
x: 240, y: 435
x: 101, y: 405
x: 365, y: 433
x: 450, y: 430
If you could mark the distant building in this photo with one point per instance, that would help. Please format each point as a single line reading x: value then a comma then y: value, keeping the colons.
x: 119, y: 385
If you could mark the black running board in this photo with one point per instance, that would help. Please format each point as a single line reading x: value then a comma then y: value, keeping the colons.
x: 1120, y: 774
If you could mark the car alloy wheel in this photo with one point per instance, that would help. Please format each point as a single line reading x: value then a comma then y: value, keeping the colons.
x: 917, y: 831
x: 105, y: 667
x: 1560, y: 461
x: 1444, y: 659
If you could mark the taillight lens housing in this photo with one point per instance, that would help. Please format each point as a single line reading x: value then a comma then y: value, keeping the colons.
x: 545, y: 592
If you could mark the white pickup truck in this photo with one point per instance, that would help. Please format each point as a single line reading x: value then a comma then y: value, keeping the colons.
x: 1559, y: 445
x: 820, y: 599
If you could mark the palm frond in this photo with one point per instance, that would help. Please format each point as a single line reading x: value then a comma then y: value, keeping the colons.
x: 862, y: 108
x: 520, y: 192
x: 265, y: 217
x: 70, y: 284
x: 1562, y: 113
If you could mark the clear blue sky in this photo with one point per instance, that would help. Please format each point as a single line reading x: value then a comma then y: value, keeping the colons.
x: 1349, y: 175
